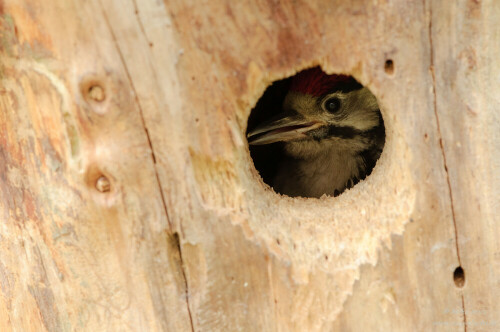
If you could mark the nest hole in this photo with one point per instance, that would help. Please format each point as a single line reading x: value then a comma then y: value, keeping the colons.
x: 314, y: 134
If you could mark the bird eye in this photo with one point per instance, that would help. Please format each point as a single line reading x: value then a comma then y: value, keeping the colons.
x: 332, y: 105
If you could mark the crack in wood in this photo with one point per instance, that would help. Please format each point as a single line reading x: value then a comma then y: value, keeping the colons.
x: 139, y: 21
x: 178, y: 245
x: 153, y: 157
x: 141, y: 113
x: 441, y: 144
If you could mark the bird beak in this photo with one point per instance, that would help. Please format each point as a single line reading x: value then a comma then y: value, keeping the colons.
x: 282, y: 128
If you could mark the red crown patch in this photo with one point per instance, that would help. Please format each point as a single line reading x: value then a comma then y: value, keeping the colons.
x: 316, y: 82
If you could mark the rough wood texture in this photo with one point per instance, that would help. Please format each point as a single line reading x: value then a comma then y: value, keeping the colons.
x: 154, y: 97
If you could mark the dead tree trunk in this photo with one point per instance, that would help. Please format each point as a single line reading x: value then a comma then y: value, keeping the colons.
x: 129, y: 200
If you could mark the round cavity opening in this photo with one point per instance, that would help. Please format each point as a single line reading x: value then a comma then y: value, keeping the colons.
x: 314, y: 134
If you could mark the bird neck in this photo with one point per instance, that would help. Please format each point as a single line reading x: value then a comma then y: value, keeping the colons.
x: 315, y: 171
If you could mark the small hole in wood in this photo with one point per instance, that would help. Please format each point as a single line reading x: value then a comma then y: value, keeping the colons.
x: 389, y: 66
x: 459, y: 277
x: 96, y: 93
x: 314, y: 134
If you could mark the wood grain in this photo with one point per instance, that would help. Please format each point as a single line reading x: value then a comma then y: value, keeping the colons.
x: 153, y: 97
x: 74, y: 258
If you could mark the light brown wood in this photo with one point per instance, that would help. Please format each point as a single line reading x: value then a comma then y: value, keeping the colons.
x: 130, y: 201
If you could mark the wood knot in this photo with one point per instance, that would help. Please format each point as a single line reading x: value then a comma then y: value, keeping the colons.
x: 103, y: 184
x: 96, y: 93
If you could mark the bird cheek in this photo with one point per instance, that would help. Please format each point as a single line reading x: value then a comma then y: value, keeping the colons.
x: 318, y: 134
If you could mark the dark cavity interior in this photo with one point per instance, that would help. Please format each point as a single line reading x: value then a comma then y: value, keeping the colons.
x: 266, y: 158
x: 270, y: 158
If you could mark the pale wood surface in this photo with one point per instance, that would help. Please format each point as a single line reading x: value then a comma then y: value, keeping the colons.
x: 189, y: 238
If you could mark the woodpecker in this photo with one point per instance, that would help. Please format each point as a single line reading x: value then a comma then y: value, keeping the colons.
x: 332, y: 131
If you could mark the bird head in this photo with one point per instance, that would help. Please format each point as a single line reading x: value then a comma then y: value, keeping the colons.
x: 322, y: 111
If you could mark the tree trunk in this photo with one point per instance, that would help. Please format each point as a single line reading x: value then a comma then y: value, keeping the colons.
x: 129, y: 199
